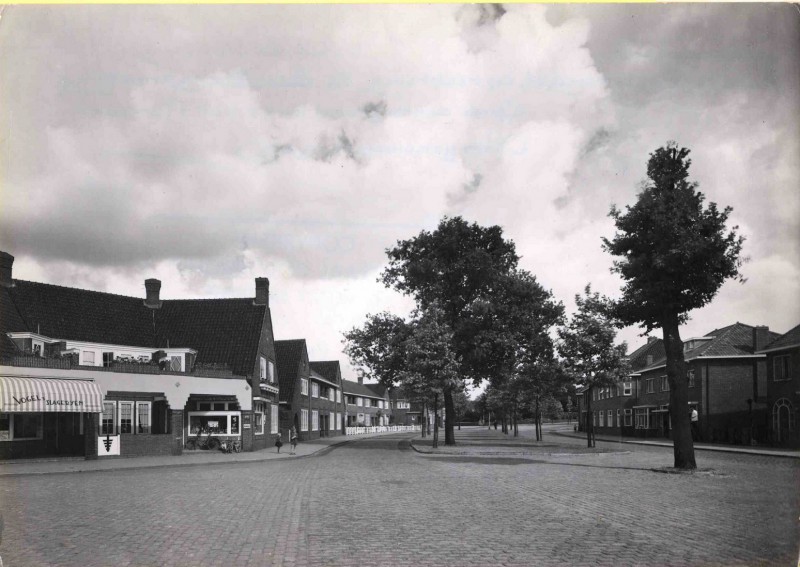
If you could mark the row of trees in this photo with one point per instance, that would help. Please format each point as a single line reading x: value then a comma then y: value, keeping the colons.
x: 481, y: 320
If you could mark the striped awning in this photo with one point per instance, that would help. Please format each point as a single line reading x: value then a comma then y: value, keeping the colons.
x: 49, y: 395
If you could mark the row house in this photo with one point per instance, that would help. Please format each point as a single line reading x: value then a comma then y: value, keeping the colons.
x: 85, y: 373
x: 366, y: 404
x: 783, y: 387
x: 404, y: 410
x: 311, y: 396
x: 727, y: 380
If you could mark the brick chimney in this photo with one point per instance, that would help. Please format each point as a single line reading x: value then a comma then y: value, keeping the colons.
x: 153, y: 287
x: 760, y: 337
x: 360, y: 379
x: 6, y: 263
x: 651, y: 339
x: 262, y: 291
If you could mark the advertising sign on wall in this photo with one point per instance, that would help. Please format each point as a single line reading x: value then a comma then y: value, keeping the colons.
x: 108, y: 445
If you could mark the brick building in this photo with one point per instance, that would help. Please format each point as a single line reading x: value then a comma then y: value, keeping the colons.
x: 783, y: 387
x: 727, y: 377
x: 403, y: 410
x: 366, y: 404
x: 308, y: 398
x: 90, y: 373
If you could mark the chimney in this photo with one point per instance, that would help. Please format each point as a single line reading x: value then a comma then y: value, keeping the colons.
x: 262, y: 291
x: 6, y: 262
x: 360, y: 379
x: 153, y: 287
x: 651, y: 339
x: 760, y: 337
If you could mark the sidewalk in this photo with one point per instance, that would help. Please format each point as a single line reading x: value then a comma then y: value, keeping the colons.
x: 764, y: 451
x: 188, y: 458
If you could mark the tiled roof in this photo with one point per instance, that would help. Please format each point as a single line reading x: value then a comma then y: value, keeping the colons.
x: 733, y: 340
x: 653, y: 349
x: 328, y: 369
x: 220, y: 330
x: 367, y: 390
x: 788, y: 339
x: 10, y: 320
x: 288, y: 355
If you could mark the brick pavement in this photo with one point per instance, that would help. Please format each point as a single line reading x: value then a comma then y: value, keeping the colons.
x: 377, y: 502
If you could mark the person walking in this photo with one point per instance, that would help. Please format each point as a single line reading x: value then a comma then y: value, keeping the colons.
x: 695, y: 418
x: 293, y: 440
x: 278, y: 442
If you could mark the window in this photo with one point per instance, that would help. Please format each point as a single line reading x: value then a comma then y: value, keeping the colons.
x: 650, y: 385
x: 176, y: 363
x: 88, y: 357
x: 108, y: 359
x: 315, y: 420
x: 359, y: 401
x: 38, y: 348
x: 690, y: 378
x: 664, y: 384
x: 126, y: 417
x: 628, y: 418
x: 274, y: 418
x: 303, y: 420
x: 20, y: 426
x: 782, y: 417
x: 627, y: 388
x: 271, y: 370
x: 314, y: 390
x: 338, y: 396
x: 331, y: 394
x: 303, y: 386
x: 143, y: 417
x: 258, y: 418
x: 219, y: 423
x: 262, y: 368
x: 781, y: 368
x: 596, y: 419
x: 337, y: 423
x: 108, y: 419
x: 619, y: 421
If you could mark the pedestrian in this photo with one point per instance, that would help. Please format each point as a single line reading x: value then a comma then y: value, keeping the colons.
x: 695, y: 417
x: 293, y: 440
x: 278, y: 442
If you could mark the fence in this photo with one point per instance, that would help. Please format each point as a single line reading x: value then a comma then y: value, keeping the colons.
x: 381, y: 429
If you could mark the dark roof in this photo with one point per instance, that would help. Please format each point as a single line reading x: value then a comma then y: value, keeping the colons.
x: 653, y: 348
x: 367, y: 390
x: 220, y: 330
x: 733, y: 340
x: 789, y: 339
x: 328, y: 369
x: 10, y: 320
x: 288, y: 355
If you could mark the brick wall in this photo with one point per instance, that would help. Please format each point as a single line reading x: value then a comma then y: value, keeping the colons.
x: 730, y: 385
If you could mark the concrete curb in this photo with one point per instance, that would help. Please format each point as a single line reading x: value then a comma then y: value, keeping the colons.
x: 718, y: 448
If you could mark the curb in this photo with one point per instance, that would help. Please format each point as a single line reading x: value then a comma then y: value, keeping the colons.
x: 719, y: 449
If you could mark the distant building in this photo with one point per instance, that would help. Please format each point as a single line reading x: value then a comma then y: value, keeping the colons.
x: 366, y: 404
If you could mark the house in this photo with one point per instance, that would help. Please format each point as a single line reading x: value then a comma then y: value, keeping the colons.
x: 613, y: 407
x: 783, y: 387
x: 404, y: 410
x: 86, y: 373
x: 308, y: 398
x: 366, y: 404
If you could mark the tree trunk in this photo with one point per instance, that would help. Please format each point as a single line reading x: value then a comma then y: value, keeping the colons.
x: 536, y: 418
x: 682, y: 444
x: 423, y: 419
x: 435, y: 421
x: 589, y: 419
x: 449, y: 418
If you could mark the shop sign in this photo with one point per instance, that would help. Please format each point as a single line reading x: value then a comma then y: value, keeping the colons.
x: 108, y: 445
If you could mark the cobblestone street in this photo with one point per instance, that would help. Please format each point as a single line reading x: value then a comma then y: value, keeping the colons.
x: 379, y: 502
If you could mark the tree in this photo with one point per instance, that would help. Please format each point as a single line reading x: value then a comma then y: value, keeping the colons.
x: 376, y: 349
x: 588, y: 350
x: 675, y: 255
x: 457, y: 266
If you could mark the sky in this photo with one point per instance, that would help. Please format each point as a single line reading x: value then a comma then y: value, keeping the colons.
x: 209, y: 145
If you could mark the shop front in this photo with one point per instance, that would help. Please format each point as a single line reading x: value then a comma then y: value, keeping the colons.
x: 44, y: 417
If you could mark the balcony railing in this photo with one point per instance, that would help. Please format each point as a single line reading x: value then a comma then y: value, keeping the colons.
x: 380, y: 429
x: 70, y: 363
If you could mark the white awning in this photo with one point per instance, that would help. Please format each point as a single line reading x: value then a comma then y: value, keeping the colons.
x: 49, y: 395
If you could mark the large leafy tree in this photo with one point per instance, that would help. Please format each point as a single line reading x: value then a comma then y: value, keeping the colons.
x: 586, y: 344
x: 675, y: 253
x: 377, y: 348
x: 471, y: 272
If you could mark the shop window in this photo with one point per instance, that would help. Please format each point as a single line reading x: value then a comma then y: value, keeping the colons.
x: 143, y: 417
x: 20, y: 427
x: 216, y: 423
x: 108, y: 421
